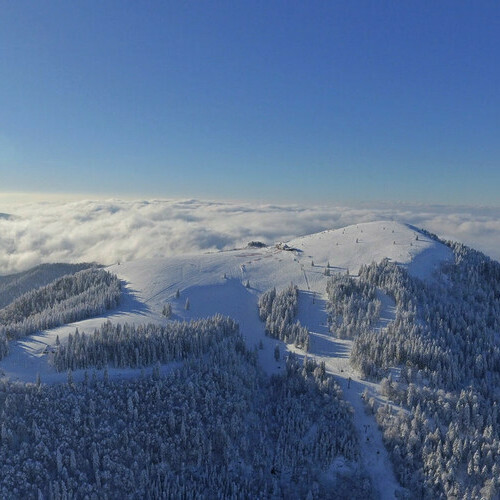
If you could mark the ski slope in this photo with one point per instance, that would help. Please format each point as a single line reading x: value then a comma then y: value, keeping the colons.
x: 230, y: 283
x: 335, y: 354
x: 215, y: 283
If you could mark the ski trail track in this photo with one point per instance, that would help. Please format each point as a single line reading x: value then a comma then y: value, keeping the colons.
x: 335, y: 353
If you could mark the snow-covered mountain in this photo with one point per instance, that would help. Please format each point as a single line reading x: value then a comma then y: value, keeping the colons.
x: 302, y: 261
x: 196, y: 286
x: 230, y: 282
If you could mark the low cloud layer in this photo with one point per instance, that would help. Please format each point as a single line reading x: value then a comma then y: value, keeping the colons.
x: 108, y: 231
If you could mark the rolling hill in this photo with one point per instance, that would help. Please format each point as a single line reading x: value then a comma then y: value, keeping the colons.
x: 230, y: 283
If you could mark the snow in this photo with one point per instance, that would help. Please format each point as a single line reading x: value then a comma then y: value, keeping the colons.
x: 215, y: 283
x: 352, y: 246
x: 335, y: 354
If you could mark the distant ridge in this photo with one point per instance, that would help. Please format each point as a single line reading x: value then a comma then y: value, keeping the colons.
x: 13, y: 286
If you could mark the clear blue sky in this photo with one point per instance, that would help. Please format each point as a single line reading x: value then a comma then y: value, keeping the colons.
x: 289, y: 101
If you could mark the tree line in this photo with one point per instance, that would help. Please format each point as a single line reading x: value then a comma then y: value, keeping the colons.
x: 71, y: 298
x: 445, y: 441
x: 278, y: 310
x: 216, y: 427
x: 131, y: 346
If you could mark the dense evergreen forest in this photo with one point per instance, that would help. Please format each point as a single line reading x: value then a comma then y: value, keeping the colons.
x: 131, y: 346
x: 278, y: 310
x: 216, y: 427
x: 444, y: 343
x: 70, y: 298
x: 14, y: 285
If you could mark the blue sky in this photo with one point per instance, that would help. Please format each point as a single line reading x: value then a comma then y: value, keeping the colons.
x: 289, y: 101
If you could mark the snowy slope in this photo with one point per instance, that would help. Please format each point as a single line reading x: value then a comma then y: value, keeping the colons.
x: 216, y: 283
x: 14, y: 285
x: 352, y: 246
x: 348, y: 248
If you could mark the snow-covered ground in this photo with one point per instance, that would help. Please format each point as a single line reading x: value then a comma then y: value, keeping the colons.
x: 230, y: 283
x: 335, y: 353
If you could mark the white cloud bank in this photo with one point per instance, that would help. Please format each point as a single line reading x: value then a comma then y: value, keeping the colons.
x: 108, y: 231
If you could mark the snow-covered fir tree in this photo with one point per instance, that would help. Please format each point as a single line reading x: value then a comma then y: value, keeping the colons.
x: 278, y: 310
x: 215, y: 427
x: 71, y: 298
x: 445, y: 442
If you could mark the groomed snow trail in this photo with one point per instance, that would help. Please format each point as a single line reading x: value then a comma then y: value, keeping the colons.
x: 335, y: 353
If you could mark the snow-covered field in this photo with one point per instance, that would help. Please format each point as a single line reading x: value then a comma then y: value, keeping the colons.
x: 230, y: 283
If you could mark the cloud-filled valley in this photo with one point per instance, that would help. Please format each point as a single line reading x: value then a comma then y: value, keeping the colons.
x: 114, y: 230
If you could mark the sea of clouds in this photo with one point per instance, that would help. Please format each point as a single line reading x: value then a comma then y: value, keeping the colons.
x: 113, y: 230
